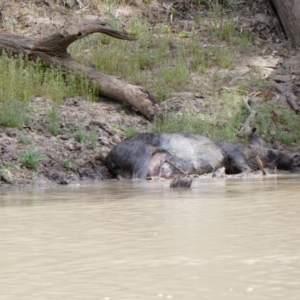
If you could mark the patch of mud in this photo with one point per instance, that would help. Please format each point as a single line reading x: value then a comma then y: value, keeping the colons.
x: 65, y: 158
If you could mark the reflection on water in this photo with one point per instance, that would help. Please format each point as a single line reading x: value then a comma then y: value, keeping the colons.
x: 231, y: 239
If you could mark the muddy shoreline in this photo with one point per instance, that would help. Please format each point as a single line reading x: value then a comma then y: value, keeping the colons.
x: 73, y: 155
x: 88, y: 130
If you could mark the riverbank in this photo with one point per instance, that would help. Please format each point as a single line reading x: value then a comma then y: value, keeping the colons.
x: 199, y: 61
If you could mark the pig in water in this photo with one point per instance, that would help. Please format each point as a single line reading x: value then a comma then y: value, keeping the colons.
x: 169, y: 154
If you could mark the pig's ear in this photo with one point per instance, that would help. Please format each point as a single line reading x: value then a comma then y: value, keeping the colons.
x: 255, y: 140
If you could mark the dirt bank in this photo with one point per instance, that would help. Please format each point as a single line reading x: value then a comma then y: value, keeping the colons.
x: 88, y: 130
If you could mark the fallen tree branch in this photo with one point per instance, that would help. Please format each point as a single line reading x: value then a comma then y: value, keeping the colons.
x: 293, y: 102
x: 53, y: 52
x: 246, y: 128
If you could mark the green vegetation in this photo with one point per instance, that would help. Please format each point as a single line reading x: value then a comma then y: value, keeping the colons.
x: 53, y: 121
x: 272, y: 120
x: 80, y: 134
x: 88, y: 138
x: 22, y: 80
x: 68, y: 164
x: 166, y: 60
x: 210, y: 123
x: 30, y: 158
x: 279, y: 122
x: 91, y: 141
x: 162, y: 62
x: 5, y: 170
x: 23, y: 139
x: 10, y: 165
x: 130, y: 131
x: 13, y: 113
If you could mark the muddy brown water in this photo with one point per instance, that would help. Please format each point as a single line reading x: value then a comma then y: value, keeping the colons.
x: 221, y: 239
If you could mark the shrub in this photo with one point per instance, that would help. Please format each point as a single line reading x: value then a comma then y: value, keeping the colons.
x: 30, y: 158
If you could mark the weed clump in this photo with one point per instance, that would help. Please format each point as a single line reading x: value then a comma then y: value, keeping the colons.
x: 14, y: 113
x: 130, y: 131
x: 53, y: 121
x: 23, y: 139
x: 89, y: 139
x: 277, y: 122
x: 68, y: 164
x: 30, y: 158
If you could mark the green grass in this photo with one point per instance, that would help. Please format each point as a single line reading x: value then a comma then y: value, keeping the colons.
x: 22, y: 79
x: 130, y: 131
x: 14, y: 113
x: 278, y: 123
x: 68, y: 164
x: 165, y: 61
x: 223, y: 57
x: 23, y: 139
x: 152, y: 63
x: 5, y: 170
x: 54, y: 121
x: 30, y: 158
x: 222, y: 123
x: 10, y: 165
x: 91, y: 141
x: 88, y: 138
x: 80, y: 134
x: 149, y: 61
x: 225, y: 120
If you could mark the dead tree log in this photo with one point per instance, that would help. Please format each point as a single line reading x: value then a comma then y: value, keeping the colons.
x: 289, y: 15
x: 53, y: 52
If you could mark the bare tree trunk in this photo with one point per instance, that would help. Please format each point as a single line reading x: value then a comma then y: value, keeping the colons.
x: 53, y: 51
x: 289, y: 14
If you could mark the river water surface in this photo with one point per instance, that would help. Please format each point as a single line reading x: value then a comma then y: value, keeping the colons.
x: 221, y: 239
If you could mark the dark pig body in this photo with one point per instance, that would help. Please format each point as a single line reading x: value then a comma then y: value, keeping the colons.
x: 149, y: 154
x: 170, y: 154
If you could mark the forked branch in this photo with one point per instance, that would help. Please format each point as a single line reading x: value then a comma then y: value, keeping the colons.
x: 53, y: 51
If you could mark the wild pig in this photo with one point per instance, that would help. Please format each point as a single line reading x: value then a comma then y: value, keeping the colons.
x: 170, y: 154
